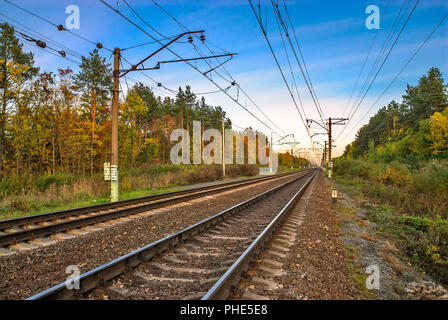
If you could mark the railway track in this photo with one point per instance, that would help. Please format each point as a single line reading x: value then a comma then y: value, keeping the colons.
x: 205, y: 260
x: 31, y: 230
x: 256, y: 274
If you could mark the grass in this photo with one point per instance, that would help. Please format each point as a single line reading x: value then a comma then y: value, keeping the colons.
x: 46, y: 206
x: 86, y: 191
x: 356, y: 273
x: 424, y: 239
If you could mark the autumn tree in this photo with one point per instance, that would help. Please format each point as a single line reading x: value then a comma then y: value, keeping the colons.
x: 94, y: 83
x: 16, y: 67
x: 439, y: 132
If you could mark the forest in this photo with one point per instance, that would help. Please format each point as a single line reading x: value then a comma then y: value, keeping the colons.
x: 399, y: 159
x: 55, y: 132
x: 413, y: 130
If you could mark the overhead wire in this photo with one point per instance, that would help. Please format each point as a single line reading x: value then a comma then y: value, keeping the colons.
x: 177, y: 55
x: 381, y: 66
x: 279, y: 67
x: 54, y: 51
x: 219, y: 62
x: 60, y: 27
x: 399, y: 73
x: 290, y: 68
x: 19, y: 26
x: 364, y: 64
x: 380, y: 53
x: 308, y: 84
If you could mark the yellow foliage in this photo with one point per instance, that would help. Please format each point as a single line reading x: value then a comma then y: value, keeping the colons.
x: 15, y: 70
x: 396, y: 174
x: 439, y: 132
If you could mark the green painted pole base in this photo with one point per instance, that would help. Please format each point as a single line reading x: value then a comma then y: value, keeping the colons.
x: 114, y: 191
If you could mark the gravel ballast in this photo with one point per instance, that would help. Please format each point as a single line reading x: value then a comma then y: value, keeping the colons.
x: 29, y: 272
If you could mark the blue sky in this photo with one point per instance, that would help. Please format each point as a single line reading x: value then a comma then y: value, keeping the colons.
x: 332, y: 35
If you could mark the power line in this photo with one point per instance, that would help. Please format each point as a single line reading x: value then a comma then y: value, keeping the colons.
x: 42, y: 45
x: 278, y: 65
x: 301, y: 55
x: 71, y: 51
x: 290, y: 68
x: 399, y: 73
x: 307, y: 80
x: 180, y: 23
x: 363, y: 65
x: 60, y: 27
x: 148, y: 43
x: 177, y: 55
x: 380, y: 54
x: 381, y: 66
x: 158, y: 91
x: 220, y: 64
x: 36, y: 34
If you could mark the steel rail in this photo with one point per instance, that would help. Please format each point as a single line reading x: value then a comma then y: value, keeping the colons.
x: 27, y: 220
x: 222, y: 288
x: 185, y: 195
x: 100, y: 275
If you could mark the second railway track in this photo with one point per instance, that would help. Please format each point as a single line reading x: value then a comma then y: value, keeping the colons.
x: 208, y: 255
x: 32, y: 227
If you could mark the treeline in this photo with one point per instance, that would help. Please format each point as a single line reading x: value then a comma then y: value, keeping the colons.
x: 412, y: 130
x: 52, y: 123
x: 288, y: 160
x: 403, y: 150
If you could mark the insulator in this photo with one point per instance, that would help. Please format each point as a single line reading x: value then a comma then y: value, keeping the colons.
x: 159, y: 84
x: 202, y: 37
x: 134, y: 67
x: 233, y: 83
x: 62, y: 53
x: 190, y: 39
x: 60, y: 27
x: 41, y: 44
x: 99, y: 45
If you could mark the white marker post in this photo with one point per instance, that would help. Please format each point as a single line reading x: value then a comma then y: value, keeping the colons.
x: 334, y: 196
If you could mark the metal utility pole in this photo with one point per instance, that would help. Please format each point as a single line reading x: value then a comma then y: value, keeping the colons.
x: 114, y: 149
x: 223, y: 155
x: 330, y: 142
x: 332, y: 122
x: 270, y: 155
x: 325, y: 158
x: 111, y: 171
x: 328, y: 127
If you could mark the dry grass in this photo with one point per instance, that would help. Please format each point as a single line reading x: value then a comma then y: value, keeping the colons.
x: 389, y: 248
x: 368, y: 237
x: 393, y: 261
x: 88, y: 188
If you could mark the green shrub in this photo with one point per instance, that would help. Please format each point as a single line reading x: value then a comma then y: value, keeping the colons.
x: 44, y: 182
x: 361, y: 169
x: 431, y: 180
x: 396, y: 173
